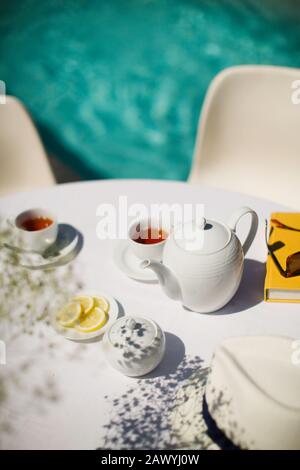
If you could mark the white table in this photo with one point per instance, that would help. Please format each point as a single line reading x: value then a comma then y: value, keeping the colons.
x: 64, y: 396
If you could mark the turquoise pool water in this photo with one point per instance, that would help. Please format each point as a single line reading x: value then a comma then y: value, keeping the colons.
x: 116, y: 86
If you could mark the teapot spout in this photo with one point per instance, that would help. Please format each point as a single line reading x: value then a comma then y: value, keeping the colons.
x: 166, y: 278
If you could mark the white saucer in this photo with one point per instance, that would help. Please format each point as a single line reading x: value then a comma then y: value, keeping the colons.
x: 63, y: 251
x: 74, y: 335
x: 64, y: 243
x: 129, y: 263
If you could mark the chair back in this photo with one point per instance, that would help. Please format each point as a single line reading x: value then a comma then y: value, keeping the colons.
x: 249, y: 133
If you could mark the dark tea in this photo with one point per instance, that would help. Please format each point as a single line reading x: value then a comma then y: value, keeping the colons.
x: 149, y: 236
x: 36, y: 223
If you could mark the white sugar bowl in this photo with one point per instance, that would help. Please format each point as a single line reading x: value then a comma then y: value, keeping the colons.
x: 134, y: 345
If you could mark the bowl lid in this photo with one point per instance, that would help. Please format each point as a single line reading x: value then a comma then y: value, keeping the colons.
x: 202, y: 236
x: 135, y: 334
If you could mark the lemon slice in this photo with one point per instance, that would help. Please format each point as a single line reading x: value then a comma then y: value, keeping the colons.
x: 69, y: 314
x: 86, y: 301
x: 92, y: 321
x: 102, y: 302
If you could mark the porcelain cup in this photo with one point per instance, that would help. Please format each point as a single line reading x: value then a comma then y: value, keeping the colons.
x: 141, y: 250
x: 37, y: 240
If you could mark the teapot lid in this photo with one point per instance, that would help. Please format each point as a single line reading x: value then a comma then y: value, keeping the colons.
x: 202, y: 236
x: 134, y: 334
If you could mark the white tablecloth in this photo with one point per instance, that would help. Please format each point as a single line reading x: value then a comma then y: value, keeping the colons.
x: 59, y: 394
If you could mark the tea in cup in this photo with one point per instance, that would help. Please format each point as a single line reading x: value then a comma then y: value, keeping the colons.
x: 147, y: 238
x: 35, y: 229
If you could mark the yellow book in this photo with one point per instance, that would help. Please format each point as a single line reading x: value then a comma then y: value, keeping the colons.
x: 283, y: 242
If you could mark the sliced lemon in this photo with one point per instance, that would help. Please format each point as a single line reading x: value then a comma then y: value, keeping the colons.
x: 86, y: 301
x: 93, y: 321
x: 102, y: 302
x: 69, y: 314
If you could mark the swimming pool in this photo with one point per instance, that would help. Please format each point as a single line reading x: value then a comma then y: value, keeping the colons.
x: 116, y: 86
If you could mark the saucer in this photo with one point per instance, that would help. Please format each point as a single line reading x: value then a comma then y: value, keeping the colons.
x: 51, y: 253
x: 74, y: 335
x: 67, y: 246
x: 129, y: 263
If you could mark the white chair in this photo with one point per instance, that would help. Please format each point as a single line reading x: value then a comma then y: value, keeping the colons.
x: 249, y: 133
x: 23, y: 161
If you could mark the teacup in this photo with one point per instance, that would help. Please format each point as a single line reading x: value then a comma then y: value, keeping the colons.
x: 147, y: 238
x: 35, y: 229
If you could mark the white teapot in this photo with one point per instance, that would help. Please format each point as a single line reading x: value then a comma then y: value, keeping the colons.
x: 134, y: 345
x: 203, y: 262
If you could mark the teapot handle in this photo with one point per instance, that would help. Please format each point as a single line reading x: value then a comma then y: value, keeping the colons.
x: 234, y: 219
